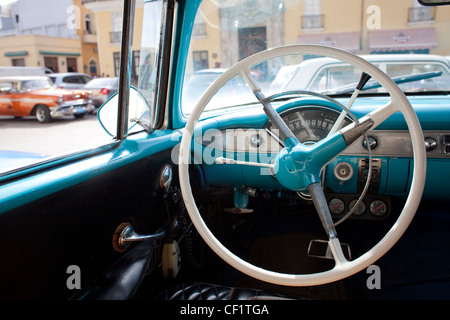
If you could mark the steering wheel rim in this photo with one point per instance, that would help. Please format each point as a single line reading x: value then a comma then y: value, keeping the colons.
x: 343, y: 268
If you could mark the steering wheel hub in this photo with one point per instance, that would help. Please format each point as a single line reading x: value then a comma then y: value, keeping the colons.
x: 299, y: 166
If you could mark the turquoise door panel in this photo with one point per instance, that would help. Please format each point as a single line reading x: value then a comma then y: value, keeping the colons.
x: 17, y: 193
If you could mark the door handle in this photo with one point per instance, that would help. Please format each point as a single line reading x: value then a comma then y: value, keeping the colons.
x: 128, y: 235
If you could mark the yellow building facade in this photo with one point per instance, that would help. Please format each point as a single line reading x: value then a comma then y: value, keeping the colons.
x: 87, y: 33
x: 60, y: 54
x: 374, y: 27
x: 57, y: 54
x: 108, y: 19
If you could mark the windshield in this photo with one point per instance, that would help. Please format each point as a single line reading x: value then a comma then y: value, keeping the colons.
x: 103, y: 82
x: 402, y: 40
x: 36, y: 84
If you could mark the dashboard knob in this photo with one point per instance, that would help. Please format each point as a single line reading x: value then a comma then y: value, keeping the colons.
x: 256, y: 140
x: 343, y: 171
x: 373, y: 142
x: 430, y: 144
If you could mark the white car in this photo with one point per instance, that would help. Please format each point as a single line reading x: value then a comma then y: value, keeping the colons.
x: 70, y: 80
x: 329, y: 75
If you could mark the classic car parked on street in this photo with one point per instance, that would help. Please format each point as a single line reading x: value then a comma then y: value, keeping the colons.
x: 325, y: 74
x: 296, y: 195
x: 24, y: 96
x: 70, y: 80
x: 102, y: 89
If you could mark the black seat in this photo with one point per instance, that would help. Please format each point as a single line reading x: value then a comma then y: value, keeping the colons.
x: 205, y: 291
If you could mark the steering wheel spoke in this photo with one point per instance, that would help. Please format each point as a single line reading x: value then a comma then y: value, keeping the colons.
x: 382, y: 113
x: 271, y: 113
x: 321, y: 205
x: 338, y: 253
x: 222, y: 160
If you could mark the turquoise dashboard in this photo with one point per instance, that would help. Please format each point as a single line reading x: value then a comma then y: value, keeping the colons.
x: 244, y: 134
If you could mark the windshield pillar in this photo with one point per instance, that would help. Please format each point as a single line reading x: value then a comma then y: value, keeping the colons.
x: 125, y: 68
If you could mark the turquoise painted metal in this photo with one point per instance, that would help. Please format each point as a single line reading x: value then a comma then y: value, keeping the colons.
x: 72, y: 170
x: 298, y: 166
x: 188, y: 11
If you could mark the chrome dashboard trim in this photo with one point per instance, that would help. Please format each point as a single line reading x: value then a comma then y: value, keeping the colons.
x: 241, y: 140
x: 390, y: 143
x: 395, y: 143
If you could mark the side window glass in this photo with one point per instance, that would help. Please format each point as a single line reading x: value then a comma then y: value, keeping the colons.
x: 39, y: 121
x: 85, y: 79
x: 149, y: 53
x: 320, y: 81
x: 145, y: 71
x: 65, y: 121
x: 69, y: 79
x: 334, y: 77
x: 6, y: 87
x: 437, y: 83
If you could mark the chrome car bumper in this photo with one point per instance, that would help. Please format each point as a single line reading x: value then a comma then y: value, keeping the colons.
x: 70, y: 108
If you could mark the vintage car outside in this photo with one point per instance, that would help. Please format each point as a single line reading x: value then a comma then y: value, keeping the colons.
x: 328, y: 74
x: 70, y: 80
x: 102, y: 89
x: 37, y: 96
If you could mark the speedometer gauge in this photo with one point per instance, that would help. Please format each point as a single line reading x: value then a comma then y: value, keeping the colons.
x: 310, y: 124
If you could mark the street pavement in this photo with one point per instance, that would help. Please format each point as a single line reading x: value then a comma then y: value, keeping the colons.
x: 57, y: 137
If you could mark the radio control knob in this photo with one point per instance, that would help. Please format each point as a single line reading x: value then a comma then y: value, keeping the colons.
x: 373, y: 142
x: 430, y: 144
x: 256, y: 140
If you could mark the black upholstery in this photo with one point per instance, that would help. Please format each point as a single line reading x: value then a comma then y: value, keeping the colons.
x: 122, y: 280
x: 204, y: 291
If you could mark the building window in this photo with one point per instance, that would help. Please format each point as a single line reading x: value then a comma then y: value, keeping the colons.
x: 199, y: 25
x: 313, y: 17
x: 88, y: 24
x: 199, y: 29
x: 51, y: 63
x: 312, y: 21
x: 116, y: 57
x: 18, y: 62
x: 115, y: 37
x: 116, y: 27
x: 312, y: 7
x: 200, y: 60
x: 93, y: 68
x: 419, y: 13
x: 135, y: 65
x: 71, y: 64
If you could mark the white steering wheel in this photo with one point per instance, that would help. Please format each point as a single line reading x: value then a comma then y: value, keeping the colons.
x: 298, y: 167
